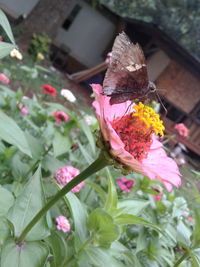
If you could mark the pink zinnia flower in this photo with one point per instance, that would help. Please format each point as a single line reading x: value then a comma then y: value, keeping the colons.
x: 181, y: 129
x: 132, y: 140
x: 62, y: 224
x: 24, y: 111
x: 125, y: 184
x: 49, y: 90
x: 65, y: 174
x: 60, y: 116
x: 4, y: 79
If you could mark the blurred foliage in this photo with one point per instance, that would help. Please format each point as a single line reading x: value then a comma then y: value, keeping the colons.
x: 39, y: 44
x: 180, y: 19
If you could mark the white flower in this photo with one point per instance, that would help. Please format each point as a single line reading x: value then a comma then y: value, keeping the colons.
x: 68, y: 95
x: 16, y: 53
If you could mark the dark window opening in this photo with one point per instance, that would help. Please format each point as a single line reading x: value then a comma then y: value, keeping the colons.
x: 173, y: 113
x: 67, y: 23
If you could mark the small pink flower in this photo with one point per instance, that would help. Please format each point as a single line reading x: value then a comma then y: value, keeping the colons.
x: 181, y: 129
x: 62, y: 224
x: 24, y: 111
x: 191, y: 220
x: 4, y: 79
x: 60, y: 116
x: 157, y: 197
x: 65, y: 174
x: 125, y: 184
x: 132, y: 142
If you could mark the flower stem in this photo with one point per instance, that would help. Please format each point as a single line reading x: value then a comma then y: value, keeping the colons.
x: 182, y: 258
x: 97, y: 165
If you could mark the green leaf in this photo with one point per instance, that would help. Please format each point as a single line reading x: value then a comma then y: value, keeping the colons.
x: 59, y: 248
x: 6, y: 26
x: 32, y: 254
x: 111, y: 201
x: 132, y: 206
x: 79, y: 216
x: 5, y: 49
x: 196, y: 231
x: 49, y: 163
x: 26, y: 206
x: 85, y: 153
x: 12, y: 134
x: 94, y: 256
x: 183, y: 233
x: 6, y: 200
x: 125, y: 219
x: 35, y: 144
x: 87, y: 131
x: 4, y: 230
x: 98, y: 189
x: 61, y: 144
x: 103, y: 228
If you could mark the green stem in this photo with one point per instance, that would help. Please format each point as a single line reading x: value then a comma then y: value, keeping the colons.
x: 182, y: 258
x: 36, y: 163
x: 97, y: 165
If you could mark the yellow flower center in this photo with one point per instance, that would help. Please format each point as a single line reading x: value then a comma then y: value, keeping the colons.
x: 150, y: 118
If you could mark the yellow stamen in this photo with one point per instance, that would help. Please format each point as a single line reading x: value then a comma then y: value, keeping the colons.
x: 149, y: 117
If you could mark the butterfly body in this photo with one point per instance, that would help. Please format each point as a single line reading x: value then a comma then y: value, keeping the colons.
x: 126, y: 77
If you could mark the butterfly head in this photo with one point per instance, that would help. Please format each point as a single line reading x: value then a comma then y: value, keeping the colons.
x: 152, y: 87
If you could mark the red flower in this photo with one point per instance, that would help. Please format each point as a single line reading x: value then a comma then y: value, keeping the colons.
x: 60, y: 116
x: 49, y: 90
x: 130, y: 133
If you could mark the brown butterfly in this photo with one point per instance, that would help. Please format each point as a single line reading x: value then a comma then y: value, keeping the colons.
x: 126, y: 77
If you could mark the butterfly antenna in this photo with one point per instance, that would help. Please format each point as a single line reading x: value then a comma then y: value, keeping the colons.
x: 160, y: 101
x: 129, y: 106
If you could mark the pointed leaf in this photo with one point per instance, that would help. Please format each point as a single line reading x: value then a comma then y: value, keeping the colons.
x: 59, y: 247
x: 32, y: 254
x: 87, y: 131
x: 6, y: 200
x: 11, y: 133
x: 132, y: 206
x: 79, y: 216
x: 6, y: 26
x: 125, y: 219
x: 5, y: 49
x: 61, y: 144
x: 103, y: 228
x: 4, y: 230
x: 111, y: 201
x: 26, y: 206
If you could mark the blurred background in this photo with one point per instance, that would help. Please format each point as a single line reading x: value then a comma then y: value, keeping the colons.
x: 73, y: 39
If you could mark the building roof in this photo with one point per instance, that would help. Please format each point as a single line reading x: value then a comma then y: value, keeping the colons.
x: 179, y: 19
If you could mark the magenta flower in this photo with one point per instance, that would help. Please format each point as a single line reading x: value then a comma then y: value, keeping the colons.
x: 24, y: 111
x: 62, y: 224
x: 182, y: 129
x: 60, y: 116
x: 125, y: 184
x: 131, y: 134
x: 65, y: 174
x: 4, y: 79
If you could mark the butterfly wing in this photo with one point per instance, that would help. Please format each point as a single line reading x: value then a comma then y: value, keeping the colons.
x: 127, y: 72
